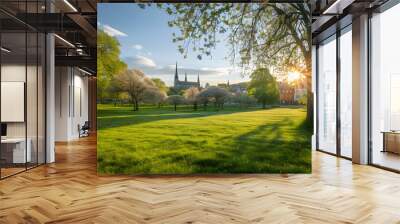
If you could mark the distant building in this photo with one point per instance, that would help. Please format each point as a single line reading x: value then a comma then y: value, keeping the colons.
x: 182, y: 85
x: 286, y: 93
x: 224, y: 85
x: 238, y: 87
x: 300, y: 89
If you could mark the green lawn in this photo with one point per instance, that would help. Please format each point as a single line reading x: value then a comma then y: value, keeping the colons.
x: 162, y: 141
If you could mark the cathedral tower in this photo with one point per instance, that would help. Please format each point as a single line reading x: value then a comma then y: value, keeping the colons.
x: 176, y: 80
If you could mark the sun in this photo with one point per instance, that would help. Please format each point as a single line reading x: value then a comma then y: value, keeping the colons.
x: 293, y: 76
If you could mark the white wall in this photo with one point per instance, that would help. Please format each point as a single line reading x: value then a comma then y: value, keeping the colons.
x: 71, y: 102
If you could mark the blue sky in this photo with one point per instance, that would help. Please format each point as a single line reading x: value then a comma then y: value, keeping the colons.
x: 146, y: 44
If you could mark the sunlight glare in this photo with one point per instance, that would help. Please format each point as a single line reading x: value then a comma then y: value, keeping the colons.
x: 293, y: 76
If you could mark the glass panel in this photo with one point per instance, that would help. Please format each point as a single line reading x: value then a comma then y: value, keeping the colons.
x: 385, y: 89
x: 13, y: 86
x: 41, y: 99
x: 23, y: 90
x: 327, y: 96
x: 346, y: 94
x: 31, y: 98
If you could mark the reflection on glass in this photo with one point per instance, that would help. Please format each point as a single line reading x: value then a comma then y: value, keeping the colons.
x: 346, y: 94
x: 385, y: 93
x: 22, y: 90
x: 31, y: 99
x: 14, y: 153
x: 41, y: 98
x: 327, y: 96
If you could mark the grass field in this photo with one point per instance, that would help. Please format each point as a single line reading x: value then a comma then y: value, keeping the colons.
x: 162, y: 141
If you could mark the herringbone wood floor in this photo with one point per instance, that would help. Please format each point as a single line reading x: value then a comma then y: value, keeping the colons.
x: 70, y: 191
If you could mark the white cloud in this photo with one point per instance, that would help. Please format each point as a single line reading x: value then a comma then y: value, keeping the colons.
x: 113, y: 32
x: 139, y: 61
x: 212, y: 75
x: 137, y: 46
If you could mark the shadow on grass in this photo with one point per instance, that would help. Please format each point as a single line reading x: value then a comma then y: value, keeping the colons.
x: 124, y: 116
x: 263, y: 150
x: 277, y: 146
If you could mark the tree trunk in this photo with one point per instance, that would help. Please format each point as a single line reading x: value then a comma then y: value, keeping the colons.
x: 310, y: 107
x: 263, y: 105
x: 310, y: 96
x: 175, y: 107
x: 195, y: 106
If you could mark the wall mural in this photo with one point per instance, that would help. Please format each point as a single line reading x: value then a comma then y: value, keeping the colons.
x: 204, y: 88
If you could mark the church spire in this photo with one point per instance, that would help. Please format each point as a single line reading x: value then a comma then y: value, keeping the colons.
x: 176, y: 72
x: 185, y: 77
x: 198, y: 78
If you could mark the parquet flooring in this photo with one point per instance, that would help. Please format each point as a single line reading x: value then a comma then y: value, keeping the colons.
x: 69, y: 191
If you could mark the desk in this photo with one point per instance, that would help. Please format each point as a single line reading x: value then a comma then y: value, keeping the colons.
x: 391, y: 141
x: 13, y: 150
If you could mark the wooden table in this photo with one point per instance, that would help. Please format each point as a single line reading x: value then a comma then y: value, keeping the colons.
x: 13, y: 150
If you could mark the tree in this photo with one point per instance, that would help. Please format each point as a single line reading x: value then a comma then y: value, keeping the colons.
x: 244, y: 100
x: 108, y: 62
x: 113, y: 91
x: 174, y: 91
x: 191, y: 96
x: 175, y: 100
x: 262, y: 34
x: 135, y: 83
x: 216, y: 94
x: 263, y: 87
x: 154, y: 96
x: 203, y: 98
x: 160, y: 85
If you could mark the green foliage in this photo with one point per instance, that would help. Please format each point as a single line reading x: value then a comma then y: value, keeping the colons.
x: 244, y: 100
x: 161, y: 141
x: 174, y: 91
x: 108, y: 62
x: 264, y: 34
x: 138, y: 87
x: 303, y: 100
x: 261, y: 33
x: 160, y: 85
x: 263, y: 87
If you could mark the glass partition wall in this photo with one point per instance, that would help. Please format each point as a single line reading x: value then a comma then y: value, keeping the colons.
x: 385, y: 89
x: 334, y: 103
x: 22, y: 107
x: 345, y: 62
x: 326, y: 54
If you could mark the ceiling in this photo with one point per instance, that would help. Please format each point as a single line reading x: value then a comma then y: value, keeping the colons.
x: 73, y: 21
x: 330, y: 15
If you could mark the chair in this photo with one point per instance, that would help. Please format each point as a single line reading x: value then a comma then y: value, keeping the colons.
x: 84, y: 130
